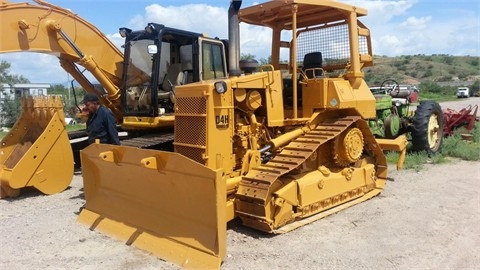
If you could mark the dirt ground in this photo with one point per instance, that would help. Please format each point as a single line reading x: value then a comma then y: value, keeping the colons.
x: 461, y: 103
x: 422, y: 220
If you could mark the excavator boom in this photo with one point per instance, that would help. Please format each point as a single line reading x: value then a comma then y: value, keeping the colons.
x: 49, y: 29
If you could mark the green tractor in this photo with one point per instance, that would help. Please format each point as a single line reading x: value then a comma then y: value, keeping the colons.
x: 399, y: 112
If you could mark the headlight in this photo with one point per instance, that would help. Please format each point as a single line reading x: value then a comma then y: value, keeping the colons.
x: 221, y: 87
x: 150, y: 28
x: 124, y: 31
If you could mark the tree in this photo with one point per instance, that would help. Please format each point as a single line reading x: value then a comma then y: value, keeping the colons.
x: 6, y: 77
x: 58, y: 89
x: 474, y: 62
x: 9, y: 109
x: 265, y: 61
x: 475, y: 88
x: 447, y: 59
x: 429, y: 86
x: 247, y: 56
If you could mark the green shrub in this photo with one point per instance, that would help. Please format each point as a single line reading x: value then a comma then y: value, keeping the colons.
x: 454, y: 146
x: 416, y: 160
x: 76, y: 127
x: 10, y: 111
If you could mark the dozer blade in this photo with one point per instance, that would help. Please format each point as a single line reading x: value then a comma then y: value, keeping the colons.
x: 158, y: 201
x: 36, y: 152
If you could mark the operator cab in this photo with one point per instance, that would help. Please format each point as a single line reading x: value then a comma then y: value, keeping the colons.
x: 160, y: 58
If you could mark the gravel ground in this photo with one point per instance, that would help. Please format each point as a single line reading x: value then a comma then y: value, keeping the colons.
x: 461, y: 103
x: 422, y: 220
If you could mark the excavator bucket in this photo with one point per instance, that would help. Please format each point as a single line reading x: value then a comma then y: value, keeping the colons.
x: 36, y: 152
x: 158, y: 201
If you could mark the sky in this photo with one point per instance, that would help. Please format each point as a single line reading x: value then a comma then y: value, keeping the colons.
x: 398, y: 27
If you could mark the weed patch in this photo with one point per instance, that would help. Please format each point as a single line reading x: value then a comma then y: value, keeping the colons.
x: 453, y: 146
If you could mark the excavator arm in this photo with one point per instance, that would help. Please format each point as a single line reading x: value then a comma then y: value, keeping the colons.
x: 49, y: 29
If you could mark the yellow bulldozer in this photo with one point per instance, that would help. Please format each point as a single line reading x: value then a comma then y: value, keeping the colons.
x: 226, y: 143
x: 239, y: 151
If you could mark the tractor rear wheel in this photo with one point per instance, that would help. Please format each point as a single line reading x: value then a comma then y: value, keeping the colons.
x: 427, y: 127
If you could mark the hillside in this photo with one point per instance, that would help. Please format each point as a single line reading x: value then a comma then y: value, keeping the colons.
x: 414, y: 69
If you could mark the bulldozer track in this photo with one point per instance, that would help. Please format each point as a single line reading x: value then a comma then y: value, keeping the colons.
x: 292, y: 156
x: 147, y: 141
x: 151, y: 141
x: 257, y: 184
x: 158, y: 141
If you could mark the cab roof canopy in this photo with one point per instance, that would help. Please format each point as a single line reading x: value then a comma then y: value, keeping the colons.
x: 278, y: 13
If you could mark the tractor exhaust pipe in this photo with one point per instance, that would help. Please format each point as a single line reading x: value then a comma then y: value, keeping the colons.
x: 234, y: 38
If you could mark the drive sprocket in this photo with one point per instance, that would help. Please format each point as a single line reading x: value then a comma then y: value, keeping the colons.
x: 348, y: 146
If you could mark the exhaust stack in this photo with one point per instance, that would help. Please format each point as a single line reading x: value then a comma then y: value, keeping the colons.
x: 234, y: 38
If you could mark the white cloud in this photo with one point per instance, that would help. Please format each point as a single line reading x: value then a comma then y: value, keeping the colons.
x: 255, y: 40
x: 383, y: 11
x: 117, y: 40
x: 198, y: 18
x: 213, y: 22
x: 415, y: 24
x: 38, y: 68
x: 402, y: 28
x: 395, y: 28
x: 428, y: 35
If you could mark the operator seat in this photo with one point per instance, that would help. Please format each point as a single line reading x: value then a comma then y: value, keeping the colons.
x: 173, y: 77
x: 310, y: 61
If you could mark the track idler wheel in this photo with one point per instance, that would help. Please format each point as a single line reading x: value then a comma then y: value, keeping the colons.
x: 348, y: 146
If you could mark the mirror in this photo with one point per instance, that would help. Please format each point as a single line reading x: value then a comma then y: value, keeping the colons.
x: 152, y: 49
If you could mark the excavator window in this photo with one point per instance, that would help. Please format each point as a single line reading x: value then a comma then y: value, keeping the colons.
x: 213, y: 62
x: 139, y: 72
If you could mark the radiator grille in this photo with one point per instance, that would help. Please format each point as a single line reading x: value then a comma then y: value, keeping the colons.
x: 192, y: 105
x: 191, y: 130
x: 195, y: 154
x: 191, y: 127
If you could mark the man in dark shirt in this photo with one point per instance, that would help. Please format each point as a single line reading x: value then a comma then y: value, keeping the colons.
x: 101, y: 123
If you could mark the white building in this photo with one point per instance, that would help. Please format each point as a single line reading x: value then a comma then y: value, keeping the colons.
x: 23, y: 89
x: 10, y: 92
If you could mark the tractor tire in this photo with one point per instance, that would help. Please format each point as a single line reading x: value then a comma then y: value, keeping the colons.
x: 427, y: 127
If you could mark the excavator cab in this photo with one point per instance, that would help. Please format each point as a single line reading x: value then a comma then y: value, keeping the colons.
x: 157, y: 60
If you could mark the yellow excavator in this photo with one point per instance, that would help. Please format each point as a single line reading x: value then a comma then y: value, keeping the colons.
x: 239, y: 151
x: 137, y: 86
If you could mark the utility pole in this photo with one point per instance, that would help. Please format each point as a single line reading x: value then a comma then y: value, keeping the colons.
x: 68, y: 90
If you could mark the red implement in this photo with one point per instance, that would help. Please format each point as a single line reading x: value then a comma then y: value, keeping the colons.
x: 466, y: 117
